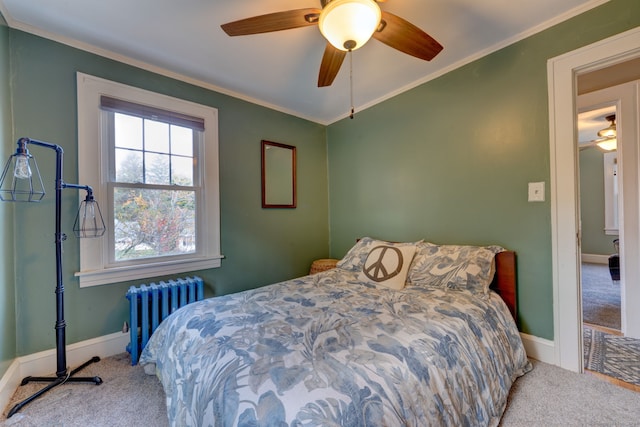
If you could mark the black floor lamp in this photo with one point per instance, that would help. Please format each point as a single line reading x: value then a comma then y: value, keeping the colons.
x: 21, y: 182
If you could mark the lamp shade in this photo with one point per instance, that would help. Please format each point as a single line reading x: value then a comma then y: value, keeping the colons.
x: 20, y: 180
x: 89, y: 221
x: 349, y: 24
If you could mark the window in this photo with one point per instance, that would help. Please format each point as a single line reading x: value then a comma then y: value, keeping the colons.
x: 153, y: 163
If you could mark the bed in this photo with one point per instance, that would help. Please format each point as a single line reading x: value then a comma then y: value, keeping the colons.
x: 398, y: 334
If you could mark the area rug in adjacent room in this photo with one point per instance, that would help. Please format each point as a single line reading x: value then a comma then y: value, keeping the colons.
x: 600, y: 296
x: 612, y: 355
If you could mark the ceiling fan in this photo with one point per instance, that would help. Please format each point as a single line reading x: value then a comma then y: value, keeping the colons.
x: 347, y: 25
x: 607, y: 137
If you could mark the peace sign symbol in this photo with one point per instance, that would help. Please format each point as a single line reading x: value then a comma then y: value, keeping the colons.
x: 383, y: 263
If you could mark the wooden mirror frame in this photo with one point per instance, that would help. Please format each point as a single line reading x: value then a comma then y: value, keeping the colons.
x: 266, y: 145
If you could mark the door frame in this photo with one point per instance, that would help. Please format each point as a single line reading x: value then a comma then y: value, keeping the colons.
x: 562, y: 73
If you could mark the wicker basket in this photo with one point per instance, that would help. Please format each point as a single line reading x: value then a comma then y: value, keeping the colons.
x: 323, y: 265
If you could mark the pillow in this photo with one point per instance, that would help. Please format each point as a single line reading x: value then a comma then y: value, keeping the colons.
x: 387, y: 264
x: 355, y: 257
x: 454, y: 266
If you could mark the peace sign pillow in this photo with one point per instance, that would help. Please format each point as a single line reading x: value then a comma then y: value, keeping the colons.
x: 387, y: 265
x: 356, y: 256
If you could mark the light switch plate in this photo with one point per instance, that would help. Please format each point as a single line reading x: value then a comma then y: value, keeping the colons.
x: 536, y: 191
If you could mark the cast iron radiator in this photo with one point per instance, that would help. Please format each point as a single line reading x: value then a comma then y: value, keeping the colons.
x: 151, y: 304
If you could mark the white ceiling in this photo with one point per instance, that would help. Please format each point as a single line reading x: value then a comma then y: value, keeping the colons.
x: 183, y: 38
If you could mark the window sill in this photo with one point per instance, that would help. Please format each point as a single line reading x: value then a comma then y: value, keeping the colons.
x: 611, y: 231
x: 123, y: 274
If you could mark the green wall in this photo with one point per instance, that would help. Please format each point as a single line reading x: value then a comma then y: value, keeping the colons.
x: 449, y: 161
x: 7, y: 289
x: 594, y: 240
x: 260, y: 246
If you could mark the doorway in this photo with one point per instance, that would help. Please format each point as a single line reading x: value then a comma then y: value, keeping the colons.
x: 599, y: 192
x: 607, y: 352
x: 603, y: 230
x: 620, y: 104
x: 563, y: 72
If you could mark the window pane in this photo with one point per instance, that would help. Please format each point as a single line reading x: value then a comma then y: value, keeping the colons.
x: 151, y: 223
x: 128, y: 166
x: 181, y: 141
x: 156, y: 168
x: 182, y: 170
x: 128, y: 131
x: 156, y: 136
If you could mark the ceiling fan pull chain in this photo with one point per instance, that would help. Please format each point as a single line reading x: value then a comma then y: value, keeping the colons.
x: 351, y: 82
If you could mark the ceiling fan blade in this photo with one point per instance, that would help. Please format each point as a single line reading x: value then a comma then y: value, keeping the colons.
x: 331, y: 63
x: 406, y: 37
x: 272, y: 22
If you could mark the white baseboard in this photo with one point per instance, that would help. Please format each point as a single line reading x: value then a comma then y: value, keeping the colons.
x: 595, y: 259
x: 539, y: 348
x: 44, y: 363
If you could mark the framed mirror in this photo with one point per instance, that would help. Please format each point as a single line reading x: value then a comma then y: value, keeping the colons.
x: 278, y: 175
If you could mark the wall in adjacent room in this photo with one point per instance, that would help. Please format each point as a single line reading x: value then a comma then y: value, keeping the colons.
x: 260, y: 246
x: 449, y: 161
x: 7, y: 289
x: 594, y: 240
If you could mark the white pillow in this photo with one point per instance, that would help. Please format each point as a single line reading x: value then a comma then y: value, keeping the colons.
x: 387, y: 264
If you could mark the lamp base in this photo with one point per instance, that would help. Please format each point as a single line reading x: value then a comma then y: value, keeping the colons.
x: 56, y: 381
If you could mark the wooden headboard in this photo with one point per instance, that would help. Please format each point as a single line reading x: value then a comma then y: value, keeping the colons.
x: 504, y: 281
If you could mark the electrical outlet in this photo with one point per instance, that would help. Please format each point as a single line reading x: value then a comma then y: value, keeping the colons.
x: 536, y: 191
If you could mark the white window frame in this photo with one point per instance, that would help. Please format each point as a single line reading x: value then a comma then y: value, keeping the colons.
x: 93, y: 170
x: 611, y: 226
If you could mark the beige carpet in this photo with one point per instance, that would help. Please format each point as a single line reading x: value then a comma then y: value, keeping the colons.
x: 127, y: 397
x: 551, y: 396
x: 546, y: 396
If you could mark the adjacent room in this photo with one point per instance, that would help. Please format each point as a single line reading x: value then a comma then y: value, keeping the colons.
x: 314, y: 199
x: 607, y: 285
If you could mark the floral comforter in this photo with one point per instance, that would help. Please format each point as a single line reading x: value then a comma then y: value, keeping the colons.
x: 328, y: 350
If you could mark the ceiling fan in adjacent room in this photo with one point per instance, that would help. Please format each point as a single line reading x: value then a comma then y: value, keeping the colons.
x: 607, y: 137
x: 347, y: 25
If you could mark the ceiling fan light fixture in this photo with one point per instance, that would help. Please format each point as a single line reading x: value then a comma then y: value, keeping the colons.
x: 609, y: 132
x: 349, y: 24
x: 608, y: 144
